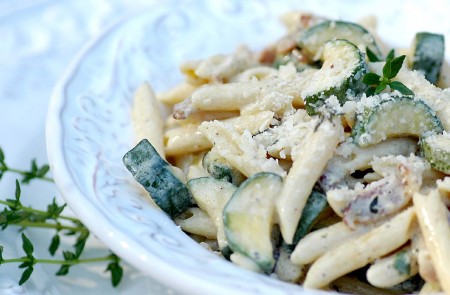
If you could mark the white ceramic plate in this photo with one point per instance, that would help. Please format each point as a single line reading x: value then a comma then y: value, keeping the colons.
x: 89, y: 128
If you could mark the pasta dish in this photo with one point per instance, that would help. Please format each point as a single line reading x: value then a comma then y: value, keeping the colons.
x: 321, y: 160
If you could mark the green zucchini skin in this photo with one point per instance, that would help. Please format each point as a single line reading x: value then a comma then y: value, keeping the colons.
x: 311, y: 40
x: 219, y: 168
x: 316, y: 204
x: 314, y: 44
x: 435, y: 148
x: 334, y: 53
x: 428, y: 55
x: 248, y: 218
x: 410, y: 286
x: 387, y: 119
x: 156, y: 176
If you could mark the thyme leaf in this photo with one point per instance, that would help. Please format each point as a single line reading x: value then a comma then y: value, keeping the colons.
x: 377, y: 84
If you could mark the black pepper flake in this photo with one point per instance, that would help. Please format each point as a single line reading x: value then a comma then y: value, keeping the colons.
x: 374, y: 206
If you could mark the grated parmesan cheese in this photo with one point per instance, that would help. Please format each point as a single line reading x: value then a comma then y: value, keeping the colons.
x: 240, y: 149
x: 280, y: 139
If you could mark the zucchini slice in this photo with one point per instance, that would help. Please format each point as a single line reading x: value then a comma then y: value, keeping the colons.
x: 393, y: 116
x: 315, y: 206
x: 427, y: 55
x: 157, y: 177
x: 436, y: 150
x: 342, y: 71
x: 312, y: 39
x: 219, y: 168
x: 211, y: 196
x: 248, y: 218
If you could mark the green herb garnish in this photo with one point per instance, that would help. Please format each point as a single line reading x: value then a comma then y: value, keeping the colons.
x: 16, y: 214
x: 35, y: 171
x: 371, y: 55
x: 391, y: 68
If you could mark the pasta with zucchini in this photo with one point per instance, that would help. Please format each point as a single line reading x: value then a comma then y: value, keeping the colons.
x: 321, y: 160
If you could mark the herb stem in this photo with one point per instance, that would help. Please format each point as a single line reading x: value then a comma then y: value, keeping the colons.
x: 31, y: 210
x: 25, y: 173
x: 56, y: 226
x: 56, y: 261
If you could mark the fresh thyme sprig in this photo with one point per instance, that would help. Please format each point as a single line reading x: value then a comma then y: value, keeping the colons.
x: 391, y: 68
x: 35, y: 171
x: 28, y: 261
x: 16, y: 214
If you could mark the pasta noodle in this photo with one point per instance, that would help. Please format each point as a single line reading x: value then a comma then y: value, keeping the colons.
x: 430, y: 288
x: 356, y: 253
x: 434, y: 224
x: 286, y: 270
x: 184, y: 140
x: 177, y: 94
x: 384, y: 273
x: 317, y: 243
x: 306, y: 169
x: 196, y: 221
x: 218, y: 68
x: 426, y: 267
x: 189, y: 139
x: 147, y: 118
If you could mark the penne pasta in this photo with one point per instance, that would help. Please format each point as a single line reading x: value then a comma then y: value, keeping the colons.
x: 305, y: 170
x: 218, y: 68
x: 286, y: 270
x: 184, y: 140
x: 426, y: 267
x: 275, y: 94
x: 147, y: 119
x: 244, y: 262
x: 356, y: 253
x: 432, y: 215
x: 211, y: 196
x: 176, y: 94
x: 189, y: 139
x: 319, y: 242
x: 430, y: 288
x: 196, y: 221
x: 256, y: 73
x: 393, y: 269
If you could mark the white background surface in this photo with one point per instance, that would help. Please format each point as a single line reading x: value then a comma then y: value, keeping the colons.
x: 37, y: 41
